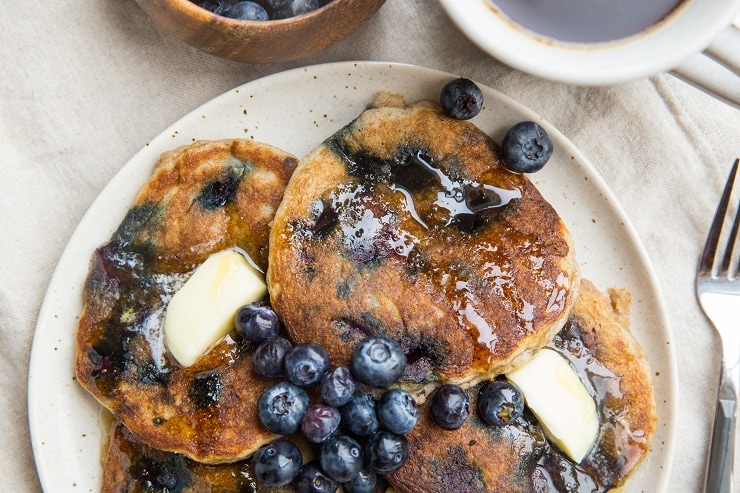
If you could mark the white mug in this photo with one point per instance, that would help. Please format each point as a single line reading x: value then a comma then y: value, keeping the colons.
x: 673, y: 45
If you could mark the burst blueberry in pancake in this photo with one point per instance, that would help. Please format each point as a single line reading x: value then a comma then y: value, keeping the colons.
x: 405, y: 224
x: 479, y: 458
x: 200, y: 199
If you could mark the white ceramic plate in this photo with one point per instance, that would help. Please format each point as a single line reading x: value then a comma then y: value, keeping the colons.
x: 296, y: 110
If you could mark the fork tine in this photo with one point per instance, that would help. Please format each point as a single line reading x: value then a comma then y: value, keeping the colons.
x: 727, y: 261
x: 710, y: 249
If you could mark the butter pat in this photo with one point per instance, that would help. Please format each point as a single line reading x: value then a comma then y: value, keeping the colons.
x: 202, y: 312
x: 563, y: 406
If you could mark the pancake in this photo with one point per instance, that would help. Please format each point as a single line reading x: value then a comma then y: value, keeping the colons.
x: 200, y: 199
x: 480, y: 458
x: 131, y: 467
x: 406, y: 224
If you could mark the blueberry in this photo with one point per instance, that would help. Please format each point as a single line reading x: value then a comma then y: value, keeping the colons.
x: 277, y: 463
x: 257, y: 322
x: 526, y: 148
x: 358, y: 415
x: 450, y: 406
x: 319, y: 422
x: 219, y: 7
x: 461, y: 99
x: 397, y: 411
x: 281, y: 407
x: 311, y: 479
x: 378, y: 362
x: 161, y: 472
x: 305, y: 364
x: 341, y: 458
x: 338, y: 386
x: 386, y: 452
x: 283, y: 9
x: 500, y: 403
x: 217, y: 193
x: 268, y: 359
x: 364, y: 482
x: 247, y: 11
x: 207, y: 389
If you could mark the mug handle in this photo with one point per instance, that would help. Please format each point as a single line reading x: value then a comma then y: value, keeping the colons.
x: 716, y: 71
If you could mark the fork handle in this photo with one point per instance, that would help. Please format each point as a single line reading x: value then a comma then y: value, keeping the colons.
x: 722, y: 448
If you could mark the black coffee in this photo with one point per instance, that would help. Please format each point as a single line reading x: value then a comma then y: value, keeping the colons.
x: 586, y: 21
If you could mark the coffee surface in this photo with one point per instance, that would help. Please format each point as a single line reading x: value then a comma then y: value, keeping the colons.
x: 586, y: 21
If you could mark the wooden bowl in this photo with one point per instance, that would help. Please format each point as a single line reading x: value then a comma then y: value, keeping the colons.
x: 261, y: 42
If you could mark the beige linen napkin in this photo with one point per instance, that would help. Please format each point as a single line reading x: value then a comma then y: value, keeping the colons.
x: 84, y: 85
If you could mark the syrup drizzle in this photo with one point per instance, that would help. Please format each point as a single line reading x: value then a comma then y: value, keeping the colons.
x: 462, y: 199
x: 465, y: 306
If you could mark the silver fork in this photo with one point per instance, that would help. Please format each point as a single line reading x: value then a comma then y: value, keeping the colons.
x: 718, y: 291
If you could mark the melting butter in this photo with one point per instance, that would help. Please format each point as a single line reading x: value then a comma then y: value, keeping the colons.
x: 202, y: 311
x: 560, y: 401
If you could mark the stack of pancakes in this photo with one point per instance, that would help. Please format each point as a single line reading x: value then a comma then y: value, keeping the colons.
x: 402, y: 224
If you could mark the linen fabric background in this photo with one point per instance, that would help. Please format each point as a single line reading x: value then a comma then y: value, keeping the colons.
x: 84, y: 85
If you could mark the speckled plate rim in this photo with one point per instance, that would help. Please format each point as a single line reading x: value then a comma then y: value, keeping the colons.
x: 296, y: 110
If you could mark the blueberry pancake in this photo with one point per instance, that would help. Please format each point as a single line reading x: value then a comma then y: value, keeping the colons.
x: 131, y: 467
x: 406, y: 224
x: 200, y: 199
x: 518, y: 457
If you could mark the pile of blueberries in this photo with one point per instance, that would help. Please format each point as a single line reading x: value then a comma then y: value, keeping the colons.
x: 358, y: 437
x: 260, y: 10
